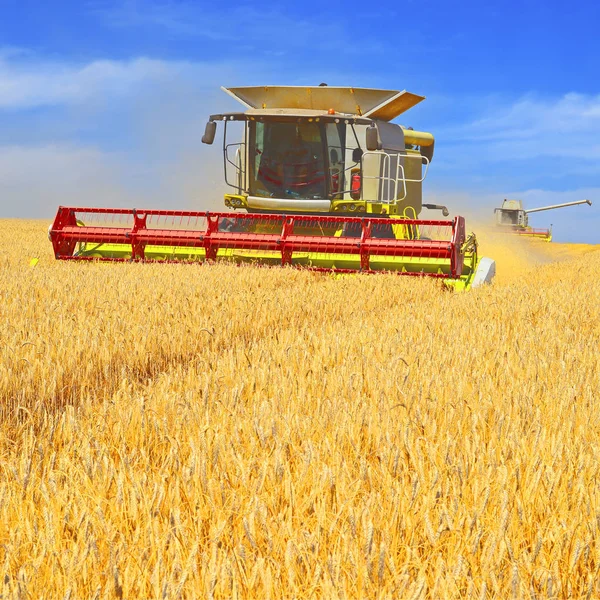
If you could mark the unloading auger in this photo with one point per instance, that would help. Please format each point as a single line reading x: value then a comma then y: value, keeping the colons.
x: 324, y: 181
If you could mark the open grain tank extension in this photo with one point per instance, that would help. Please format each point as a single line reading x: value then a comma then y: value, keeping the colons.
x: 322, y: 180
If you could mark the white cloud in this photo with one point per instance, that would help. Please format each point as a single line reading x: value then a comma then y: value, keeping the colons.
x: 567, y: 127
x: 267, y: 30
x: 25, y: 85
x: 110, y: 133
x: 37, y: 83
x: 542, y: 151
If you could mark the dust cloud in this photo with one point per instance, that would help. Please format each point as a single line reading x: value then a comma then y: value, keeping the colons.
x: 142, y: 150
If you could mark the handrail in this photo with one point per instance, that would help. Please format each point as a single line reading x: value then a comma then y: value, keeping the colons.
x: 399, y: 181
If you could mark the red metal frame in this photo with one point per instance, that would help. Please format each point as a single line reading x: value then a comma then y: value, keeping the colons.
x: 66, y: 233
x: 535, y: 232
x: 526, y: 232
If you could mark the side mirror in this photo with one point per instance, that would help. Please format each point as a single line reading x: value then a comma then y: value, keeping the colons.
x: 357, y: 155
x: 441, y: 207
x: 334, y: 157
x: 427, y: 152
x: 209, y: 133
x: 372, y: 138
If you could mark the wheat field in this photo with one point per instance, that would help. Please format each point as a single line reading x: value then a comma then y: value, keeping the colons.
x: 174, y: 431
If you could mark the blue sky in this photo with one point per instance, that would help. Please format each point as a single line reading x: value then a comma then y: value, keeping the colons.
x: 104, y: 101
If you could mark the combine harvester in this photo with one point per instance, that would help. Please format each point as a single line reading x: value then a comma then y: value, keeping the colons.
x: 513, y: 218
x: 325, y: 182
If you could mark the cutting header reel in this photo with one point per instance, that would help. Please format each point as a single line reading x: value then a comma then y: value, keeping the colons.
x: 324, y: 181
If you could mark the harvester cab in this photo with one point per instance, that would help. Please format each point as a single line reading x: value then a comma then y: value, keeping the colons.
x: 513, y: 218
x: 324, y: 150
x: 325, y: 182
